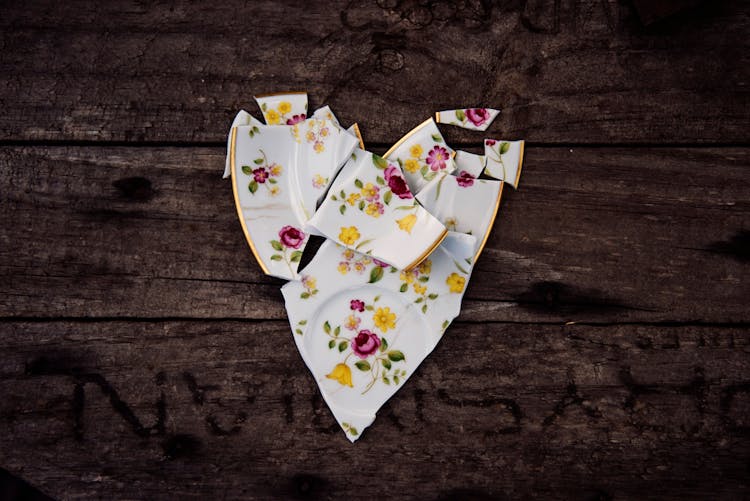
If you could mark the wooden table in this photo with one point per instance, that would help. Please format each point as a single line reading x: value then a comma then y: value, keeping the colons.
x: 602, y: 351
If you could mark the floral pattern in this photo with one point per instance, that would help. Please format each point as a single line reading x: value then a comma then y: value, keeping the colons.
x: 290, y: 240
x: 495, y: 150
x: 310, y: 285
x: 281, y: 114
x: 417, y: 279
x: 366, y: 349
x: 428, y: 165
x: 359, y: 263
x: 264, y: 173
x: 316, y: 132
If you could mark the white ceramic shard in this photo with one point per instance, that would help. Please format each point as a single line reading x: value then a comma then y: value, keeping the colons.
x: 470, y: 163
x: 464, y: 204
x: 468, y: 118
x: 284, y: 108
x: 325, y: 113
x: 422, y: 154
x: 242, y: 118
x: 504, y: 160
x: 362, y: 327
x: 371, y: 210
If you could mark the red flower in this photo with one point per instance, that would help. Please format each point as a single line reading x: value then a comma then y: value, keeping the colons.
x: 357, y: 305
x: 365, y: 343
x: 396, y: 182
x: 260, y: 174
x: 436, y: 158
x: 464, y: 179
x: 296, y: 119
x: 489, y: 142
x: 291, y: 237
x: 477, y: 116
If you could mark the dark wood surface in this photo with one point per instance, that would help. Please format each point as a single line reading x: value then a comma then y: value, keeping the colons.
x: 603, y: 349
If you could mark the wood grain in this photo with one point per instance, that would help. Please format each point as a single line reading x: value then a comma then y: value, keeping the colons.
x: 580, y: 71
x: 159, y: 410
x: 592, y: 235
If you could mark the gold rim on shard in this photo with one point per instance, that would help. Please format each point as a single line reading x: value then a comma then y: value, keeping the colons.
x: 492, y: 221
x: 429, y: 250
x: 407, y: 136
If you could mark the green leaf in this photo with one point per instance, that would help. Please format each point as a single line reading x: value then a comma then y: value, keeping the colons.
x: 395, y: 379
x: 437, y: 138
x: 255, y: 129
x: 251, y: 133
x: 386, y: 363
x: 353, y: 431
x: 302, y: 322
x: 272, y: 180
x: 379, y: 162
x: 295, y: 257
x: 253, y: 186
x: 424, y: 308
x: 264, y: 107
x: 258, y: 161
x: 327, y: 327
x: 404, y: 207
x: 460, y: 115
x: 362, y: 365
x: 386, y: 380
x: 298, y: 331
x: 358, y: 183
x: 363, y: 243
x: 383, y: 345
x: 380, y: 181
x: 276, y: 257
x: 343, y: 345
x: 331, y: 344
x: 277, y: 245
x: 361, y: 205
x: 440, y: 185
x: 404, y: 287
x: 342, y: 208
x: 445, y: 324
x: 419, y: 300
x: 423, y: 170
x: 387, y: 197
x: 376, y: 298
x: 375, y: 274
x: 246, y: 169
x: 396, y: 355
x: 369, y: 307
x: 432, y: 296
x: 423, y: 278
x: 504, y: 147
x: 337, y: 331
x: 343, y: 194
x: 305, y: 295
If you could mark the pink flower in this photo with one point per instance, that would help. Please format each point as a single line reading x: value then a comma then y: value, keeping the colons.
x: 380, y: 263
x: 365, y: 343
x: 436, y: 158
x: 396, y: 182
x: 477, y: 116
x: 352, y: 322
x: 291, y: 237
x: 296, y: 119
x: 260, y: 174
x: 357, y: 305
x: 489, y: 142
x: 464, y: 179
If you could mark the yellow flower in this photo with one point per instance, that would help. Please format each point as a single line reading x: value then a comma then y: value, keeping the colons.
x: 365, y: 261
x: 285, y: 107
x: 384, y: 319
x: 310, y: 136
x: 349, y: 235
x: 416, y: 151
x: 406, y: 223
x: 373, y: 210
x: 352, y: 322
x: 455, y: 282
x: 407, y: 277
x: 309, y: 282
x: 411, y: 165
x: 369, y: 190
x: 274, y: 190
x: 352, y: 199
x: 426, y: 267
x: 419, y: 289
x: 318, y: 146
x: 359, y: 267
x: 348, y: 254
x: 275, y: 169
x: 343, y: 268
x: 342, y: 374
x: 324, y: 131
x: 272, y: 117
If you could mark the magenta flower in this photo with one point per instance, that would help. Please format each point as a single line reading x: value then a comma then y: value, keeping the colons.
x: 396, y: 182
x: 489, y: 142
x: 365, y: 343
x: 291, y: 237
x: 357, y: 305
x: 464, y: 179
x: 477, y: 116
x: 296, y: 119
x: 260, y: 174
x: 380, y: 263
x: 437, y: 157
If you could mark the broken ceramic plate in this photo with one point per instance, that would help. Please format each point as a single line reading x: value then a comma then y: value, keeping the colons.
x: 274, y: 172
x: 504, y: 160
x: 362, y: 327
x: 285, y: 108
x: 422, y: 154
x: 470, y: 163
x: 325, y: 113
x: 242, y: 118
x: 468, y: 118
x: 464, y: 204
x: 370, y: 209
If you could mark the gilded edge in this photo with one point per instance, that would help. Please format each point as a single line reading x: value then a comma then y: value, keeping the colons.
x: 520, y: 164
x: 407, y: 136
x: 359, y: 135
x: 492, y: 221
x: 233, y: 168
x: 428, y: 251
x: 276, y: 94
x: 437, y: 117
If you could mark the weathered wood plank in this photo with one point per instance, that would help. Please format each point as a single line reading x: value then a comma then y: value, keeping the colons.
x: 592, y: 235
x: 141, y: 410
x: 574, y: 71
